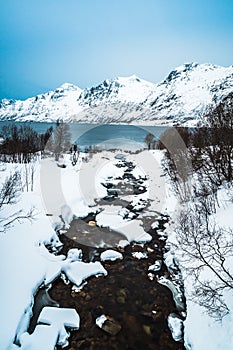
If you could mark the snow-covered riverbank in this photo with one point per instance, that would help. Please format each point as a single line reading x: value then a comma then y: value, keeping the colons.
x: 124, y: 194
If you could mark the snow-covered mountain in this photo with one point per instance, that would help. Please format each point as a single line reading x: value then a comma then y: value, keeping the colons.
x: 60, y: 103
x: 189, y: 90
x: 181, y: 98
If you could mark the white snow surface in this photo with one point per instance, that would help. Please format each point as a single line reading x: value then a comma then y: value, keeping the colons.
x: 139, y: 255
x: 100, y: 320
x: 79, y: 271
x: 51, y: 331
x: 156, y: 266
x: 175, y: 325
x: 111, y: 255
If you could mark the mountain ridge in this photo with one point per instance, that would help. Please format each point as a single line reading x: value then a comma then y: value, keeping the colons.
x: 181, y: 98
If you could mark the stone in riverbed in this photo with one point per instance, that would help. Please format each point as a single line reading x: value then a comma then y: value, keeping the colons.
x: 147, y: 329
x: 108, y: 324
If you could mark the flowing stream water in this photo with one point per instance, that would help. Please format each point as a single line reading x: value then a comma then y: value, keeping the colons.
x: 130, y: 295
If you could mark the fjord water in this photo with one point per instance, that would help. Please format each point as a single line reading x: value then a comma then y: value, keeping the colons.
x: 104, y: 136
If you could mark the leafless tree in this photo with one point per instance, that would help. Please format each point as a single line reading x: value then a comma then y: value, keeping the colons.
x: 21, y: 143
x: 29, y: 172
x: 9, y: 193
x: 206, y: 248
x: 61, y: 139
x: 212, y: 145
x: 176, y: 162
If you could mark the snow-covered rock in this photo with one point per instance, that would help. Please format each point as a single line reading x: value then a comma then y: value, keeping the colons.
x: 181, y: 97
x: 100, y: 320
x: 74, y: 254
x: 63, y: 316
x: 139, y: 255
x: 51, y: 329
x: 123, y: 243
x: 175, y: 325
x: 111, y: 255
x: 156, y: 266
x: 79, y: 271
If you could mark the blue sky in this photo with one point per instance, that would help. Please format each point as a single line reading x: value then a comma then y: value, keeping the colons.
x: 44, y: 43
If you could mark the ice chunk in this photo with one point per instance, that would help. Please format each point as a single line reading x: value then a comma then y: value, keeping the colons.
x: 155, y: 224
x: 132, y: 230
x: 177, y: 295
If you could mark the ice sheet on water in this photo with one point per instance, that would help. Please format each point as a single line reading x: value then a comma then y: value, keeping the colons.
x: 44, y: 337
x: 132, y: 230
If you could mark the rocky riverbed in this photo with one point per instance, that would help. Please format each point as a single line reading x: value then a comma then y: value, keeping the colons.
x: 137, y: 302
x: 130, y: 296
x: 138, y: 296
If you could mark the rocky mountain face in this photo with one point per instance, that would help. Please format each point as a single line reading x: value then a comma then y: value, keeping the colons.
x: 181, y: 98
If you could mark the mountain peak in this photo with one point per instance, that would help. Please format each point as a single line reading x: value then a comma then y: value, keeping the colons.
x: 129, y: 79
x: 69, y: 86
x: 187, y: 67
x: 191, y: 66
x: 186, y: 70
